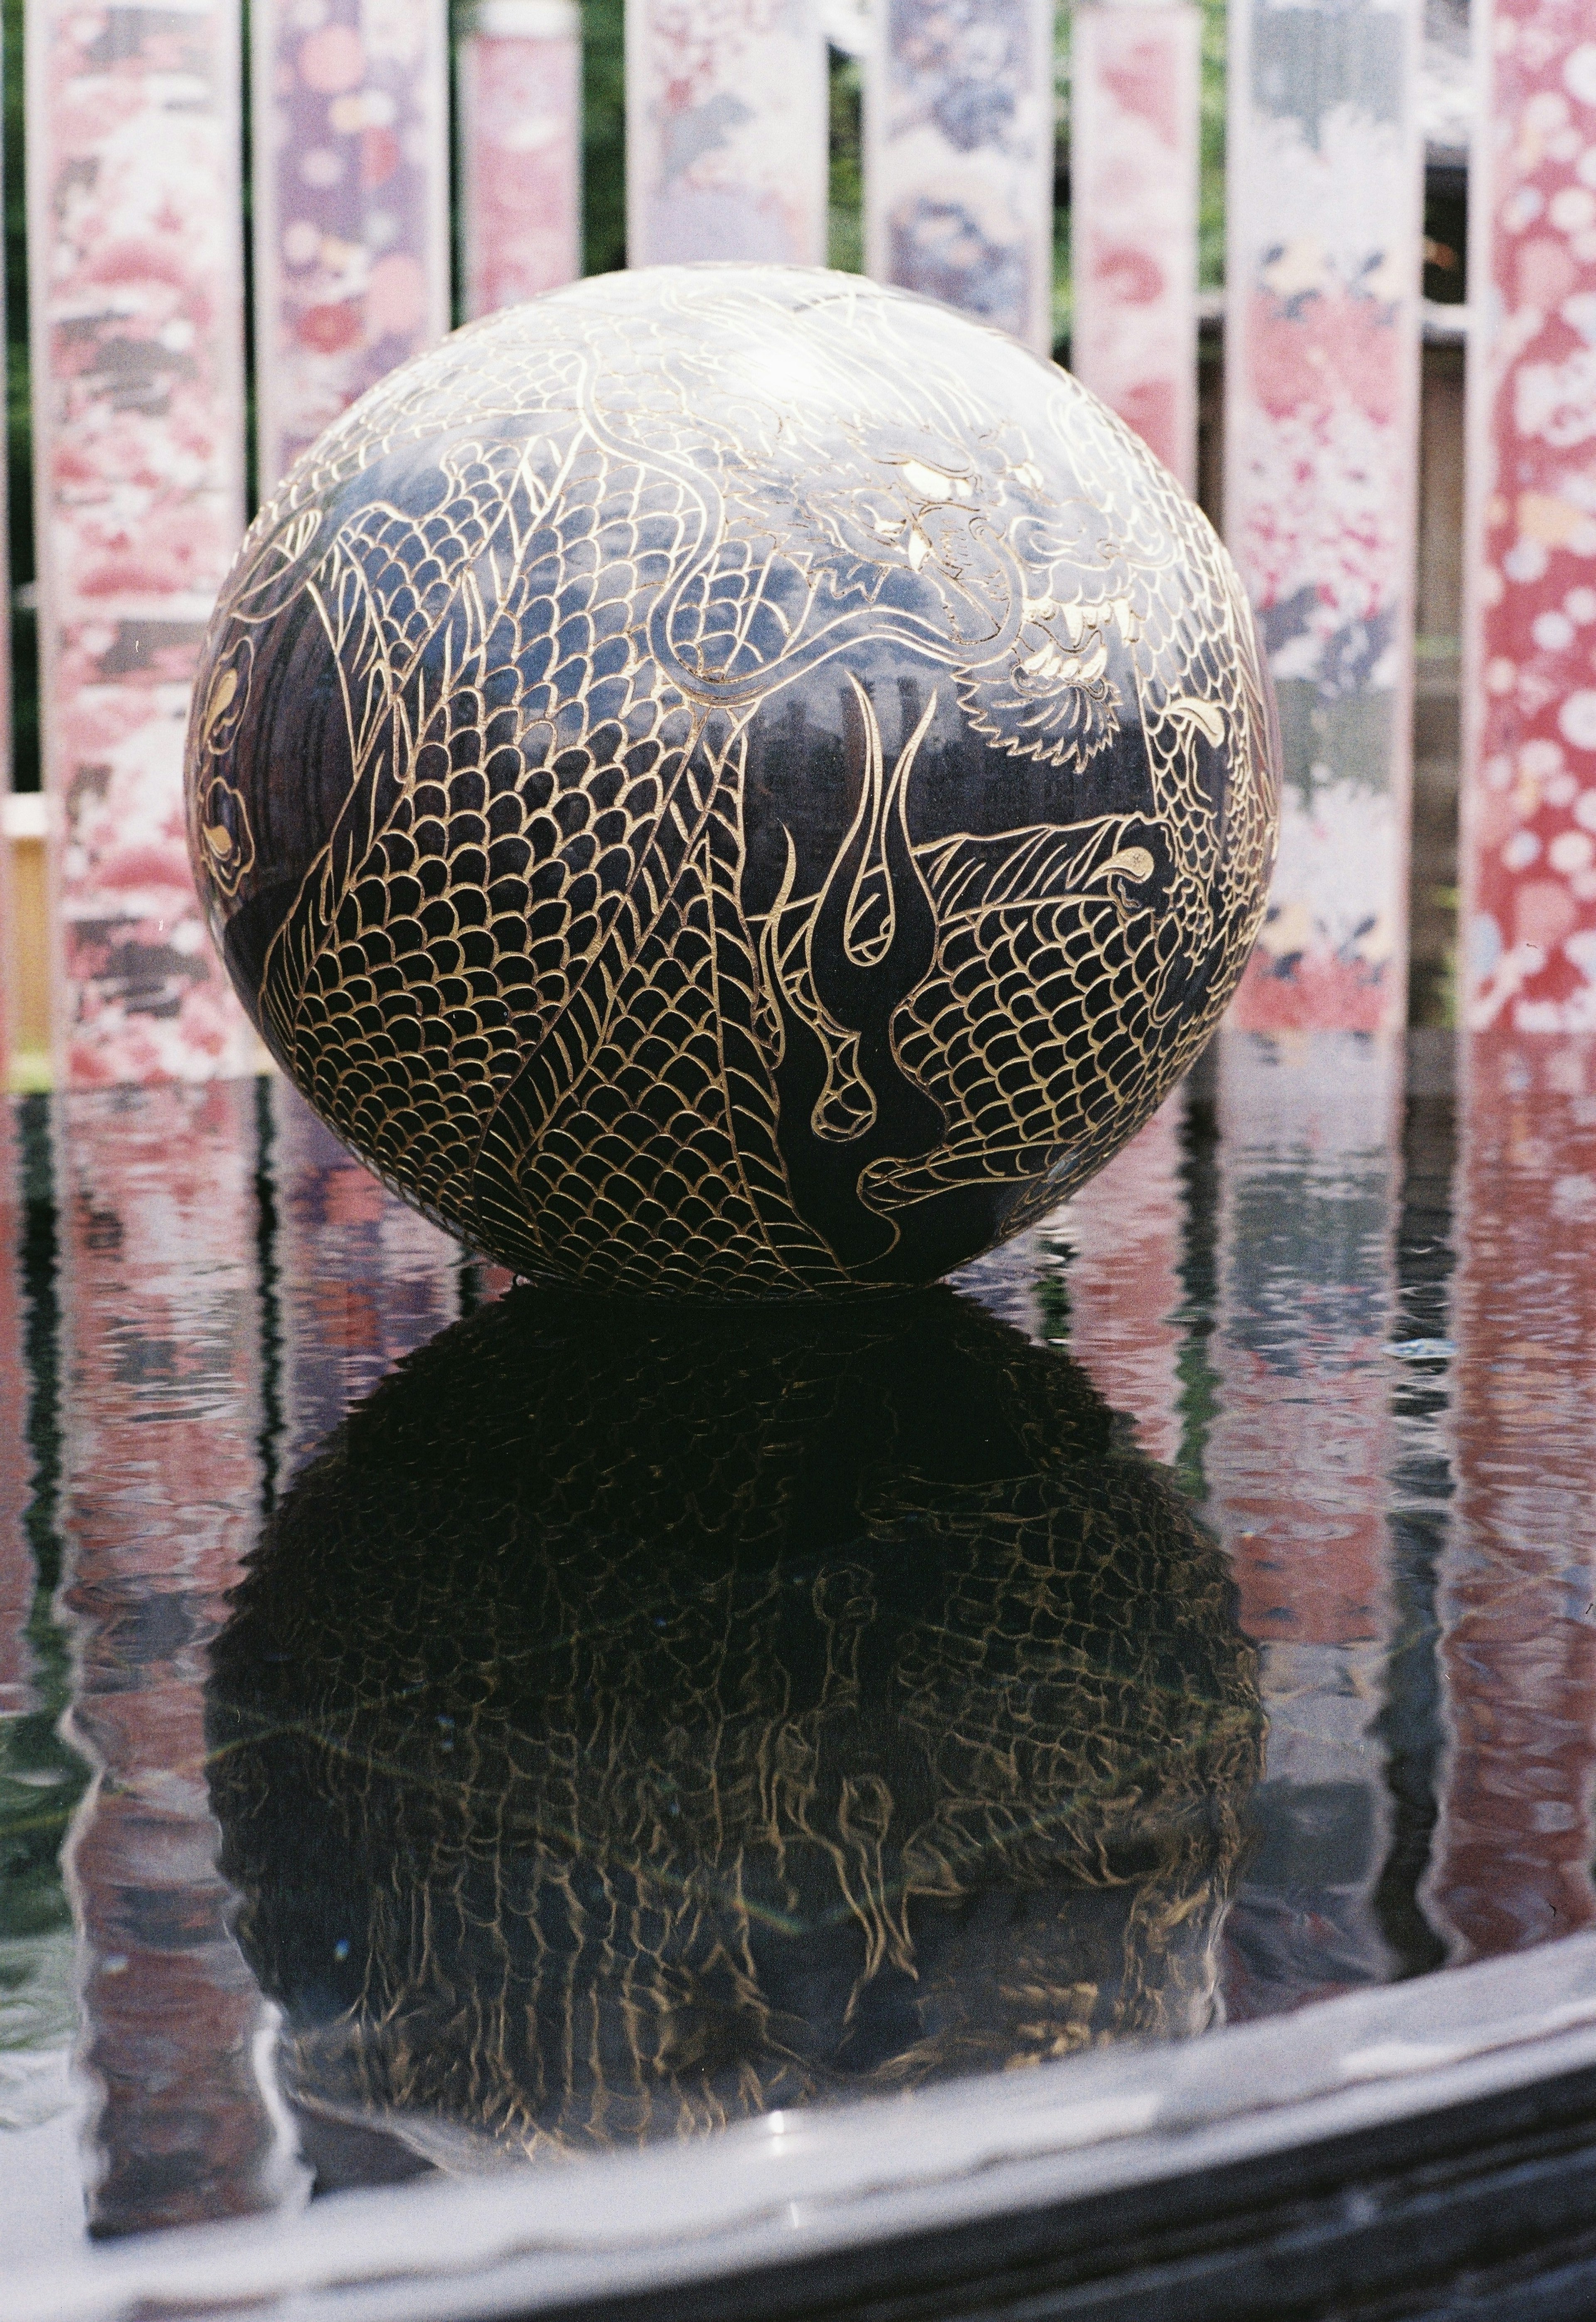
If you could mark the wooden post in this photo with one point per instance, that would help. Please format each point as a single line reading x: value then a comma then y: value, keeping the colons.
x: 135, y: 273
x: 161, y: 1499
x: 1528, y: 867
x: 1133, y: 186
x: 351, y: 206
x: 726, y: 131
x: 959, y: 157
x: 1298, y: 1460
x: 1321, y: 388
x: 520, y: 80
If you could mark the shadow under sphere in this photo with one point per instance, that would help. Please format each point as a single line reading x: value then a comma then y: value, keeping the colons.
x: 633, y: 1720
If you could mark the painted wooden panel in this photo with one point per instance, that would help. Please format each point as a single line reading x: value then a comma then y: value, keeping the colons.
x: 1133, y: 196
x: 519, y: 76
x: 1529, y: 870
x: 360, y: 1279
x: 1515, y: 1840
x: 1296, y: 1461
x: 135, y: 272
x: 959, y: 158
x: 726, y: 131
x: 1322, y: 342
x: 161, y: 1495
x: 351, y: 204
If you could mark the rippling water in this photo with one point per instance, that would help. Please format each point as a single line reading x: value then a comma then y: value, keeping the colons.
x: 441, y: 1728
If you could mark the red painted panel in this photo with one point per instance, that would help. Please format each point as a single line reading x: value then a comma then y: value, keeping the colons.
x: 519, y: 74
x: 1529, y: 821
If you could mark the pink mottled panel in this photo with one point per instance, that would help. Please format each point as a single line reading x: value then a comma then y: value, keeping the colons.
x: 361, y: 1280
x: 1133, y: 196
x: 1297, y: 1461
x: 1513, y: 1847
x: 959, y: 155
x: 351, y: 204
x: 1125, y: 1283
x: 136, y: 269
x: 161, y: 1497
x: 1321, y: 382
x: 1529, y: 797
x: 519, y: 74
x: 727, y: 126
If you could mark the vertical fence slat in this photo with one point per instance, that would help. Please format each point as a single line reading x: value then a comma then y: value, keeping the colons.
x: 1321, y: 359
x: 136, y: 269
x: 727, y: 153
x: 162, y: 1485
x: 959, y: 157
x: 351, y: 206
x: 1513, y: 1844
x: 1528, y: 872
x: 1133, y: 213
x: 519, y: 75
x: 1297, y: 1461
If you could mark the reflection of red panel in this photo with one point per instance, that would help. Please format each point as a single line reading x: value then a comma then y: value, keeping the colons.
x: 1321, y: 389
x: 1513, y: 1850
x: 519, y: 73
x: 136, y: 269
x: 351, y: 206
x: 1301, y: 1443
x: 1125, y: 1283
x: 1133, y: 166
x: 1529, y: 851
x: 1296, y: 1459
x: 161, y: 1335
x: 361, y: 1280
x: 17, y: 1562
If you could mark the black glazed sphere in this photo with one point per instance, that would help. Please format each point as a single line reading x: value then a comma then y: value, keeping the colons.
x: 640, y: 1717
x: 732, y: 778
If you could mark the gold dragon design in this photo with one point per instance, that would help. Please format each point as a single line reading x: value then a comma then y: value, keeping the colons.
x: 555, y: 959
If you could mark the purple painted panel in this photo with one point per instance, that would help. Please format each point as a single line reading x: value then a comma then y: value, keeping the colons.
x: 351, y: 206
x: 1133, y: 185
x: 726, y: 131
x: 958, y: 158
x: 1321, y: 381
x: 519, y: 74
x: 135, y: 268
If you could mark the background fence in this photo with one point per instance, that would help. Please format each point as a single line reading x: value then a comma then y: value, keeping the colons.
x: 233, y: 226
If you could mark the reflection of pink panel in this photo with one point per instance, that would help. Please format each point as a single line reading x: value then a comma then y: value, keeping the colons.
x: 520, y: 81
x: 1530, y: 850
x: 1296, y: 1459
x: 361, y: 1280
x: 958, y: 159
x: 135, y: 273
x: 1133, y: 182
x: 351, y: 206
x: 17, y: 1561
x: 161, y: 1495
x: 1125, y: 1283
x: 726, y: 129
x: 1513, y: 1849
x: 1320, y: 466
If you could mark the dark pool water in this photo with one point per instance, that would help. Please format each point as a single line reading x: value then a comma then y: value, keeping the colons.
x: 440, y: 1727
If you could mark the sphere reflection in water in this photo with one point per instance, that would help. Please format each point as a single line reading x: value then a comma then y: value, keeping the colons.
x: 636, y: 1719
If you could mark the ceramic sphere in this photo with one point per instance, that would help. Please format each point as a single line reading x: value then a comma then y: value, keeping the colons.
x: 732, y: 780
